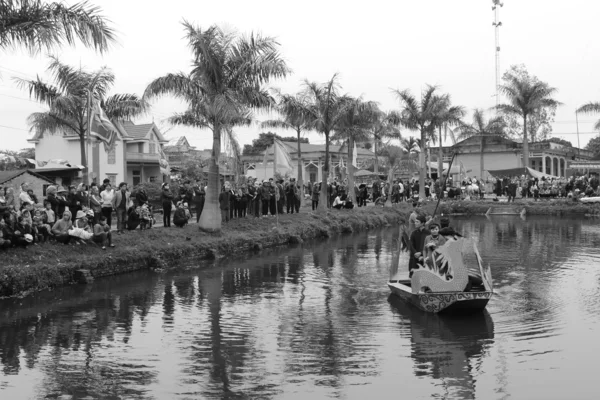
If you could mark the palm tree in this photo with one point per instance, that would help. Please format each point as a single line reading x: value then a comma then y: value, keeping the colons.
x: 525, y: 96
x: 421, y: 116
x: 37, y: 25
x: 355, y: 126
x: 493, y: 127
x: 225, y: 84
x: 325, y: 111
x: 394, y: 156
x: 71, y: 99
x: 386, y: 126
x: 294, y: 115
x: 591, y: 108
x: 447, y: 115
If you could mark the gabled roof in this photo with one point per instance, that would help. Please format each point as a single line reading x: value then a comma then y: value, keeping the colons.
x: 9, y: 175
x: 142, y: 131
x: 179, y: 141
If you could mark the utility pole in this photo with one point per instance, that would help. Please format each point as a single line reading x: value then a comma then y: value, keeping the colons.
x: 497, y: 24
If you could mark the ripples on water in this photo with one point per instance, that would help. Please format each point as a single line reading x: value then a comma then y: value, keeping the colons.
x: 318, y: 322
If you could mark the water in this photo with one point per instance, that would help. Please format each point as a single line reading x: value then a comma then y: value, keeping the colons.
x: 317, y: 322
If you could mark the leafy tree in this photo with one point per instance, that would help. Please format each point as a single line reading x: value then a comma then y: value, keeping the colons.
x: 447, y: 115
x: 294, y: 115
x: 226, y: 83
x: 531, y: 102
x: 422, y: 116
x: 594, y: 146
x: 37, y: 25
x: 485, y: 130
x: 386, y: 126
x: 559, y: 141
x: 75, y: 93
x: 265, y: 140
x: 394, y: 155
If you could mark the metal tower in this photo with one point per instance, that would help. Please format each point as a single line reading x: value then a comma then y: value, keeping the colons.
x: 497, y: 24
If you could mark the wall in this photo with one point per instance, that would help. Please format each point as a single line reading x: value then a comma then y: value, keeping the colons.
x: 106, y: 168
x: 55, y: 146
x: 147, y: 172
x: 492, y: 161
x: 36, y: 184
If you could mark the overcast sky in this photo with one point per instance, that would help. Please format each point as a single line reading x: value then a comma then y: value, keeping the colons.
x: 374, y: 46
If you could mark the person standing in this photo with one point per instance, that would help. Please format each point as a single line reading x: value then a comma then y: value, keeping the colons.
x: 166, y: 198
x: 316, y: 190
x: 199, y: 198
x: 417, y: 243
x: 290, y: 193
x: 225, y: 202
x: 121, y: 203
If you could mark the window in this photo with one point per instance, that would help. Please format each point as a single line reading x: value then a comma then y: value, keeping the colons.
x: 140, y: 147
x: 153, y: 179
x: 112, y: 178
x: 137, y: 177
x: 152, y: 148
x: 112, y: 156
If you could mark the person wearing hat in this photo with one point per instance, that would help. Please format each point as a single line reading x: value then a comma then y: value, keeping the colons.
x: 417, y: 243
x: 61, y: 197
x: 61, y: 228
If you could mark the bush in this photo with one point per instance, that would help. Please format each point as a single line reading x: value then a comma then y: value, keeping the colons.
x: 154, y: 190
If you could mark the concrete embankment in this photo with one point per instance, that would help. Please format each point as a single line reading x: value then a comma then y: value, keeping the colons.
x: 48, y: 265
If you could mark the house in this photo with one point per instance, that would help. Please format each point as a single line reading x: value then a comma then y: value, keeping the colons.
x: 502, y: 153
x: 134, y: 157
x: 312, y: 161
x: 14, y: 179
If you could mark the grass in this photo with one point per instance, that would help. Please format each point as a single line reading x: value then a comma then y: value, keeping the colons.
x: 48, y: 265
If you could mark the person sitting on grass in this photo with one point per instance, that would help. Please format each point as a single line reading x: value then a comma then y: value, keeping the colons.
x: 338, y: 203
x: 179, y: 218
x: 81, y: 231
x: 133, y: 218
x: 5, y: 235
x: 61, y: 228
x: 102, y: 234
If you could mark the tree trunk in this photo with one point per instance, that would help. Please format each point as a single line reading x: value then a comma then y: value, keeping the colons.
x: 300, y: 169
x: 323, y: 195
x: 422, y: 165
x: 210, y: 219
x: 440, y: 161
x: 376, y: 170
x: 481, y: 148
x: 388, y: 201
x: 86, y: 171
x: 351, y: 192
x: 525, y: 143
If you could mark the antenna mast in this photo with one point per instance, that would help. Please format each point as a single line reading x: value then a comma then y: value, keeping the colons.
x: 497, y: 24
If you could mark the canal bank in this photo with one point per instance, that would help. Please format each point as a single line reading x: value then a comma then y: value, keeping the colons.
x: 48, y: 265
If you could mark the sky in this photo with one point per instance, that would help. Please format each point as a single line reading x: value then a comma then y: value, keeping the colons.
x: 374, y: 46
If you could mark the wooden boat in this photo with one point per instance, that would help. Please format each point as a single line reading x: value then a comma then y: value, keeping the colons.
x: 443, y: 285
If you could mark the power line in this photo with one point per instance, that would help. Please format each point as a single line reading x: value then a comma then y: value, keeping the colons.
x: 12, y: 127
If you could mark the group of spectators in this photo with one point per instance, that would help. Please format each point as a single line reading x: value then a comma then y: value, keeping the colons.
x: 571, y: 187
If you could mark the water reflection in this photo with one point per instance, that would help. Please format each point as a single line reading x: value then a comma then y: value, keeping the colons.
x: 448, y: 348
x: 310, y: 321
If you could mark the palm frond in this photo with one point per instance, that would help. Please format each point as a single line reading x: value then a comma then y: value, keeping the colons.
x: 42, y: 122
x: 276, y: 123
x: 178, y: 85
x: 37, y: 25
x: 589, y: 108
x: 124, y: 106
x: 39, y: 90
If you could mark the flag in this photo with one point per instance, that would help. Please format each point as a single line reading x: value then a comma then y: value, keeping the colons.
x: 163, y: 162
x: 102, y: 128
x: 354, y: 152
x: 282, y: 161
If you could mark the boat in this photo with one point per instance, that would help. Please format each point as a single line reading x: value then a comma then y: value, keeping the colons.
x: 443, y: 284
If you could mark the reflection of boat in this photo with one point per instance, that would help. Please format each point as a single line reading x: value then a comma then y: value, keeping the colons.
x: 450, y: 348
x: 443, y: 284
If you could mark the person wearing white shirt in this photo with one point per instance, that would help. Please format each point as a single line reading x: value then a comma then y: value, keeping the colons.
x: 107, y: 196
x: 24, y: 196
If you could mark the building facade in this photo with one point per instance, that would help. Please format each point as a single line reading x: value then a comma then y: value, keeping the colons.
x: 501, y: 153
x: 134, y: 157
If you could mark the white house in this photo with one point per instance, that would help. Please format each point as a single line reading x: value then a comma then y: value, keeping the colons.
x: 134, y: 158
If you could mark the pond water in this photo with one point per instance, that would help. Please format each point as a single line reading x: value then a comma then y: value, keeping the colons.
x: 316, y: 321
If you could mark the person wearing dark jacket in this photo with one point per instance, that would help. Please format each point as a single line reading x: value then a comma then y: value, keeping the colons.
x: 141, y: 197
x: 417, y: 242
x: 224, y: 203
x: 179, y: 217
x: 166, y: 198
x: 61, y: 197
x: 72, y: 201
x: 265, y: 195
x: 199, y: 198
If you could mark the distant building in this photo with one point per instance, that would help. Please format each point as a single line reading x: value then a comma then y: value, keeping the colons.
x: 14, y: 179
x: 501, y: 153
x: 134, y: 158
x: 312, y: 160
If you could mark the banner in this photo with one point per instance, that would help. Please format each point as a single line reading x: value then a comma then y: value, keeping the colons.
x: 163, y: 162
x: 102, y: 128
x: 282, y: 161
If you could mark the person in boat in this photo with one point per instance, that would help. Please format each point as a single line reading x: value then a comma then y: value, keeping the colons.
x: 417, y: 242
x: 433, y: 241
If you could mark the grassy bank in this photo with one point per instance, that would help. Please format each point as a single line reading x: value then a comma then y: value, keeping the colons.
x: 49, y: 264
x: 542, y: 207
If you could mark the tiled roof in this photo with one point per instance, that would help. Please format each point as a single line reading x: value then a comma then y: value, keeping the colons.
x: 137, y: 131
x: 8, y: 175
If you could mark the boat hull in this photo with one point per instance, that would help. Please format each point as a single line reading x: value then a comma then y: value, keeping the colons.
x: 451, y: 302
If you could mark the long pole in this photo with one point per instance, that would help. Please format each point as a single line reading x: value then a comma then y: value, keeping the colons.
x: 86, y: 178
x: 578, y: 145
x: 444, y: 184
x: 274, y: 180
